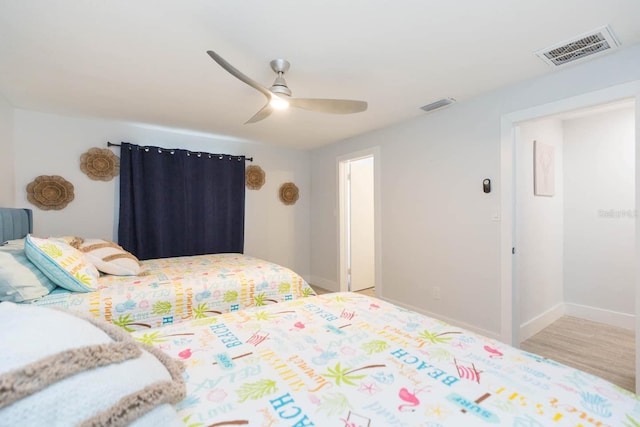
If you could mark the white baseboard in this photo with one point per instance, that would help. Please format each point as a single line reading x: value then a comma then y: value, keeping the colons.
x: 538, y: 323
x: 608, y: 317
x: 486, y: 333
x: 323, y: 283
x: 613, y: 318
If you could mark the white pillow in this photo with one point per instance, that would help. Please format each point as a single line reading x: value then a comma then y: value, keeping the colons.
x: 20, y: 280
x: 110, y: 258
x: 63, y: 264
x: 86, y: 371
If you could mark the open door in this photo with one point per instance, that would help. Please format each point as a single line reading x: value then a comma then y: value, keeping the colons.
x: 360, y: 224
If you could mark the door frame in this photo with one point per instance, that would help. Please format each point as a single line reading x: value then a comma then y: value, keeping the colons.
x: 341, y: 163
x: 510, y: 319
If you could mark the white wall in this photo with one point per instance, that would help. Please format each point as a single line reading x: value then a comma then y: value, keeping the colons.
x: 437, y: 227
x: 7, y: 183
x: 600, y: 211
x: 47, y: 144
x: 539, y: 233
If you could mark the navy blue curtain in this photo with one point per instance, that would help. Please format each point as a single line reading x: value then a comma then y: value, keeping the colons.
x: 177, y: 202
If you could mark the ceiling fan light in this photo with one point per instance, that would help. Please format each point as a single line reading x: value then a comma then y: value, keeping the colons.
x: 279, y: 103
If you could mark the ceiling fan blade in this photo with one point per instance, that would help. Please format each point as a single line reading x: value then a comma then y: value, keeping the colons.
x: 332, y: 106
x: 237, y: 74
x: 261, y: 115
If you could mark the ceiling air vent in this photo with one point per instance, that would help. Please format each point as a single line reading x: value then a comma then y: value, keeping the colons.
x: 592, y: 43
x: 438, y: 104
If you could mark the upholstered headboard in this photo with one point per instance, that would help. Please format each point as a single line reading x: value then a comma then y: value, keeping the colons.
x: 15, y: 223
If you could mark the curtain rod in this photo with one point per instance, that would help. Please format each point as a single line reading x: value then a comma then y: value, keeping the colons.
x: 111, y: 144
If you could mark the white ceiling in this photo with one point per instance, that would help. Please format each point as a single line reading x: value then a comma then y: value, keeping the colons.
x: 145, y: 61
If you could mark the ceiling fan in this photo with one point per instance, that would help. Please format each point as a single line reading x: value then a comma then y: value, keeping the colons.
x: 279, y: 95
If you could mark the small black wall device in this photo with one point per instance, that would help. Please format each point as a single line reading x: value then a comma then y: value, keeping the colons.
x: 486, y: 185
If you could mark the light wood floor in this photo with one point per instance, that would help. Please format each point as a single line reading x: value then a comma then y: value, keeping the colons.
x: 602, y: 350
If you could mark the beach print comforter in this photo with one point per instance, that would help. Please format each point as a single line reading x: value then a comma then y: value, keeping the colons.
x: 170, y: 290
x: 352, y: 361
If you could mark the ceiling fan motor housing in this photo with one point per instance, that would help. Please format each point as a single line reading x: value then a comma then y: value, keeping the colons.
x: 280, y: 66
x: 280, y: 87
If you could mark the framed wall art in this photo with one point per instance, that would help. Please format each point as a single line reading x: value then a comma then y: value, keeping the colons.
x: 543, y: 169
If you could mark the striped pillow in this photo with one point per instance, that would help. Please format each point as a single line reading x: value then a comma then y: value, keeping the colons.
x: 109, y: 257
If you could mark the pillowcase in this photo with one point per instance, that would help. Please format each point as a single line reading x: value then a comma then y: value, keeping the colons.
x: 20, y: 280
x: 88, y: 372
x: 109, y: 257
x: 61, y: 263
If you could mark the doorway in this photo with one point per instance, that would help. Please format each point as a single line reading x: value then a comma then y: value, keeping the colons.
x: 575, y: 244
x: 511, y: 320
x: 359, y: 266
x: 576, y: 241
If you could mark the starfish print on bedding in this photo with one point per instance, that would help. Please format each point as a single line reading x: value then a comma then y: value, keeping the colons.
x: 369, y: 388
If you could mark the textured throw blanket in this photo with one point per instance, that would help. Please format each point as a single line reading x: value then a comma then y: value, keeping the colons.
x: 61, y: 369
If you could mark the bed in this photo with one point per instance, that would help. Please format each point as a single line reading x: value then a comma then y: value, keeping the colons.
x: 346, y: 359
x: 166, y: 291
x: 351, y: 360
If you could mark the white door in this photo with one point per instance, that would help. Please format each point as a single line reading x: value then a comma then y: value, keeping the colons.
x: 360, y: 223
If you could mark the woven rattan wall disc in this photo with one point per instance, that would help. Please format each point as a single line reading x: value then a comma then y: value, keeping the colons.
x: 254, y: 177
x: 50, y: 192
x: 100, y: 164
x: 289, y: 193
